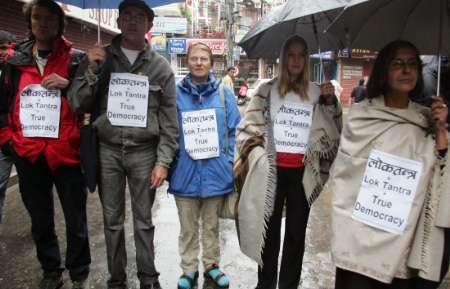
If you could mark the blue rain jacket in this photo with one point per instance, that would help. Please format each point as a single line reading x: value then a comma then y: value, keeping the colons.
x: 207, y: 177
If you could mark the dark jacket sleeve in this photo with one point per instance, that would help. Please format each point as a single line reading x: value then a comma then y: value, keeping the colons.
x: 6, y: 99
x: 168, y: 123
x: 233, y: 118
x: 84, y: 87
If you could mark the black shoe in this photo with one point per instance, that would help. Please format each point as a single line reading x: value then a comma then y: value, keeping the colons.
x: 80, y: 284
x: 154, y: 285
x: 51, y: 281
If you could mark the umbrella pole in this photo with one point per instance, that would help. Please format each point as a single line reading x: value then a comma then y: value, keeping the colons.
x: 321, y: 74
x: 438, y: 86
x: 99, y: 23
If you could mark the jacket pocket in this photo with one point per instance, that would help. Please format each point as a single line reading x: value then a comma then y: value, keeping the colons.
x: 184, y: 179
x: 105, y: 130
x: 221, y: 172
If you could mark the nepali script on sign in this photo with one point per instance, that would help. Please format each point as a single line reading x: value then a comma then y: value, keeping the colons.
x: 292, y: 126
x: 387, y: 192
x: 201, y: 137
x: 128, y: 100
x: 40, y: 111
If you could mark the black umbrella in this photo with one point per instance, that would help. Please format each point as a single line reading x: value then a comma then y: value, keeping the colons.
x: 306, y: 18
x: 372, y: 24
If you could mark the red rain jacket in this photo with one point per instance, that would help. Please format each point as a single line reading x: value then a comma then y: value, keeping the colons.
x: 20, y: 72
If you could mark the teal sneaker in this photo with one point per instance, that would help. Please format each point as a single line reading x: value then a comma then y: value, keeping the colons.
x: 216, y: 278
x: 188, y: 280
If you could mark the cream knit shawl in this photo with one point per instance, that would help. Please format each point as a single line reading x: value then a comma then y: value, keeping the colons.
x: 258, y: 193
x: 370, y: 251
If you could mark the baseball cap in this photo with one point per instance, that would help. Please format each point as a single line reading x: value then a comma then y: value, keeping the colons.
x: 140, y: 4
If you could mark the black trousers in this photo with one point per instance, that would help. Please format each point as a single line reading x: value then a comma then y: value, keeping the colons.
x: 36, y: 187
x: 290, y: 191
x: 351, y: 280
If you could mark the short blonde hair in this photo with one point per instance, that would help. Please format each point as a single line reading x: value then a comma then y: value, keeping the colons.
x: 301, y: 85
x: 201, y: 46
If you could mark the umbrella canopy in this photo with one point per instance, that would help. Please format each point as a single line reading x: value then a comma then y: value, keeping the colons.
x: 373, y: 24
x: 307, y: 18
x: 112, y: 4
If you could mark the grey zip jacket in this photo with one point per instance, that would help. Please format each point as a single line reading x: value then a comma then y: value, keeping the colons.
x: 88, y: 93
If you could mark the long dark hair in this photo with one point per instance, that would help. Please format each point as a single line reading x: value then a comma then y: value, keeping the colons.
x: 53, y: 7
x: 378, y: 81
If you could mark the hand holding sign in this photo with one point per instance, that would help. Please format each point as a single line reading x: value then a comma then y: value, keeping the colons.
x: 54, y: 81
x: 327, y: 93
x: 96, y: 56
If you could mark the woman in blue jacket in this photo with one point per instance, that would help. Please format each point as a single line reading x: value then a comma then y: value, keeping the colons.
x: 202, y: 173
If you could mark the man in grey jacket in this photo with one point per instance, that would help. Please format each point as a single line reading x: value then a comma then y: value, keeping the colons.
x: 132, y: 90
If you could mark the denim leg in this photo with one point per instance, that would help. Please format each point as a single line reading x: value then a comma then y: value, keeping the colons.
x: 112, y: 196
x: 139, y: 164
x: 5, y: 171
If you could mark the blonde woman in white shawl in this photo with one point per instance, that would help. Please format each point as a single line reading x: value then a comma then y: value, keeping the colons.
x: 289, y: 135
x: 390, y: 188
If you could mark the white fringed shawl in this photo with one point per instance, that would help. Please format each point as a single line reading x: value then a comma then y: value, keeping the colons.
x: 370, y: 251
x: 258, y: 193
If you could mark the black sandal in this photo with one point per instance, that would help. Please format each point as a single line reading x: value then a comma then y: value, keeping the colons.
x: 209, y: 280
x: 192, y: 282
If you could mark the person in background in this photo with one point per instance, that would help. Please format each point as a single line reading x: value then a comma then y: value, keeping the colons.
x: 39, y: 131
x: 242, y: 97
x: 5, y: 162
x: 132, y: 88
x: 359, y: 92
x: 228, y: 79
x: 389, y: 182
x: 202, y: 173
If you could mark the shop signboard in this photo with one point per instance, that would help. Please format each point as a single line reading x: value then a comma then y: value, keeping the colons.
x: 175, y: 25
x: 158, y: 42
x: 177, y: 46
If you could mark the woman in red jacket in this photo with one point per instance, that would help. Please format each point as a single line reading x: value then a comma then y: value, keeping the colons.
x: 39, y: 130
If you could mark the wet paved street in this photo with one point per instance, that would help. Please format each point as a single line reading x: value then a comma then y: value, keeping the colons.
x: 20, y: 268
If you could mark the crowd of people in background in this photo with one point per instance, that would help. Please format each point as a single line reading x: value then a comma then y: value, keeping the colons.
x: 290, y: 145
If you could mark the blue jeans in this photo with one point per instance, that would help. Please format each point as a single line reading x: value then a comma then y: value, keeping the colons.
x: 119, y: 165
x: 5, y: 171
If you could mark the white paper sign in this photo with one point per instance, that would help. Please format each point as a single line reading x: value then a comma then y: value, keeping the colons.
x: 128, y: 100
x: 387, y: 192
x: 201, y: 138
x: 40, y: 111
x: 292, y: 126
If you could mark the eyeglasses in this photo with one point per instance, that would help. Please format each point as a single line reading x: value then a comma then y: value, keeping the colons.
x: 195, y: 59
x: 140, y: 18
x: 403, y: 64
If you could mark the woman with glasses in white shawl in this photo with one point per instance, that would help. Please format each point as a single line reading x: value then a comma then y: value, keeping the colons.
x: 391, y: 197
